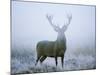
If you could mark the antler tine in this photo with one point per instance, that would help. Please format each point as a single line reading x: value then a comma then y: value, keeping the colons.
x: 69, y: 18
x: 64, y: 28
x: 49, y: 19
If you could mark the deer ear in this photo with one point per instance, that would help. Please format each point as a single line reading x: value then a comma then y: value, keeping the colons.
x: 64, y: 28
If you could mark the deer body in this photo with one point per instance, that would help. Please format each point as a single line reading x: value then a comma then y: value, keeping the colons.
x: 53, y: 48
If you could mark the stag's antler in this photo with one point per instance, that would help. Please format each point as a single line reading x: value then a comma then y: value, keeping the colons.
x: 56, y: 28
x: 69, y: 18
x: 49, y: 19
x: 64, y: 28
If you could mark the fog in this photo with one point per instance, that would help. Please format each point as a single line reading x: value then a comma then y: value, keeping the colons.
x: 30, y: 25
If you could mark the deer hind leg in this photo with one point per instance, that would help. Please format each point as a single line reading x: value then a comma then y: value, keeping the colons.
x: 43, y: 58
x: 38, y: 57
x: 62, y: 60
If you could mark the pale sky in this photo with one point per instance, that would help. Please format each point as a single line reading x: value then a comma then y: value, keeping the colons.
x: 30, y: 25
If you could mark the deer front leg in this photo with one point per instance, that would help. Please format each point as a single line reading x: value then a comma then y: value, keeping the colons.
x: 62, y: 60
x: 56, y: 60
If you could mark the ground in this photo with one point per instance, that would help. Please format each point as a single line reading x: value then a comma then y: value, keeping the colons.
x: 23, y: 61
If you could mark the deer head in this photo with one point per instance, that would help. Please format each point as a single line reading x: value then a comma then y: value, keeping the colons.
x: 57, y: 28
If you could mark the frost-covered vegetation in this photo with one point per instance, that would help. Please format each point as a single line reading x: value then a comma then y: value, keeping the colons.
x: 23, y: 61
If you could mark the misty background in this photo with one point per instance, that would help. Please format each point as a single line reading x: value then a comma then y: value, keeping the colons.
x: 30, y: 25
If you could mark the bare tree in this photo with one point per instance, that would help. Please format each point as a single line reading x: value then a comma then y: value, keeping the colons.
x: 53, y: 48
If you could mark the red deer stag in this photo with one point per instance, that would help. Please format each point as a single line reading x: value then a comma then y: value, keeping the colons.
x: 53, y: 48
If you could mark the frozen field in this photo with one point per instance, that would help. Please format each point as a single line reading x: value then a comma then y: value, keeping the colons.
x: 23, y: 61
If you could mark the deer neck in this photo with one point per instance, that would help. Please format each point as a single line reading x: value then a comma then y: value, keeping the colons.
x: 61, y: 41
